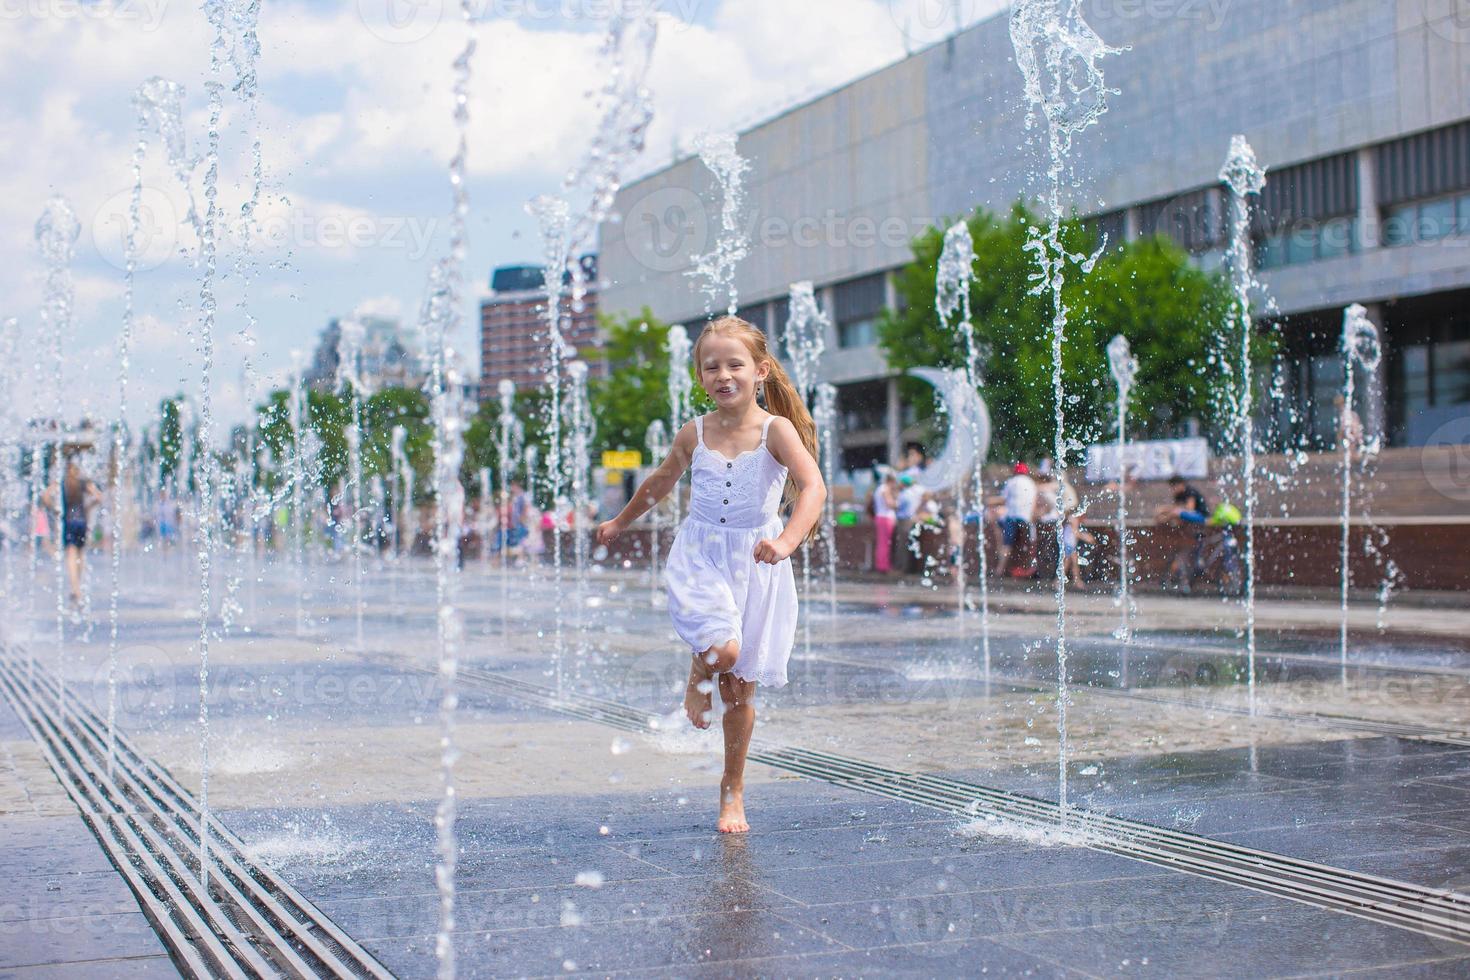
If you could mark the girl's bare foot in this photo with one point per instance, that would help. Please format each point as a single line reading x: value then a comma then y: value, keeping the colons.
x: 697, y: 704
x: 732, y: 812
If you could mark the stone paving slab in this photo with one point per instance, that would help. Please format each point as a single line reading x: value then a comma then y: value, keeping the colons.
x: 831, y: 883
x: 64, y: 909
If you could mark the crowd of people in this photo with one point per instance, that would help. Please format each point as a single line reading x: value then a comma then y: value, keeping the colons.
x: 1030, y: 515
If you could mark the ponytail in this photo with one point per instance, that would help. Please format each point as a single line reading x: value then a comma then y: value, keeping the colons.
x: 783, y: 399
x: 781, y: 396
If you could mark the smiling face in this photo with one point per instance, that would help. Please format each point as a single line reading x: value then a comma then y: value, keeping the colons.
x: 728, y: 371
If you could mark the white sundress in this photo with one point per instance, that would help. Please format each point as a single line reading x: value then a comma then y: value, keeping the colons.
x: 717, y: 591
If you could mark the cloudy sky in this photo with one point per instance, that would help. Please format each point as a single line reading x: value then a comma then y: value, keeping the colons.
x: 356, y: 132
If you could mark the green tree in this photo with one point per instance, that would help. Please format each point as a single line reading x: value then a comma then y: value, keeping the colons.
x: 636, y: 389
x: 170, y: 434
x: 1145, y: 290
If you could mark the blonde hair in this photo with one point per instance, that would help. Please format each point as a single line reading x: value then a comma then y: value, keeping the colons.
x: 782, y: 398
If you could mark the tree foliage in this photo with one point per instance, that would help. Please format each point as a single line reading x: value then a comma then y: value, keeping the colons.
x: 1145, y: 290
x: 636, y: 389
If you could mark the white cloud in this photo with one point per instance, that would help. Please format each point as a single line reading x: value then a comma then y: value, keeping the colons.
x: 356, y: 132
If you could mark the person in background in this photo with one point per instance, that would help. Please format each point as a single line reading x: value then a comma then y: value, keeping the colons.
x: 1189, y: 511
x: 885, y: 518
x: 73, y: 499
x: 1019, y: 497
x: 910, y: 500
x: 1073, y: 536
x: 915, y: 459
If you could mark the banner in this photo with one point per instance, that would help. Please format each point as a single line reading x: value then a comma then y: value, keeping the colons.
x: 1156, y: 459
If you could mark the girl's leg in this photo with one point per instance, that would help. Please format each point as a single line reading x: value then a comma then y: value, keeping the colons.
x: 883, y: 544
x: 702, y: 670
x: 74, y: 570
x: 739, y: 698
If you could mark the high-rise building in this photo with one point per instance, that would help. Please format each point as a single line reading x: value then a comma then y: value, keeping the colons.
x: 388, y: 358
x: 513, y: 342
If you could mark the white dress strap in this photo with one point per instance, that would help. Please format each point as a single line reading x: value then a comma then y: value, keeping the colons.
x: 766, y: 428
x: 699, y: 429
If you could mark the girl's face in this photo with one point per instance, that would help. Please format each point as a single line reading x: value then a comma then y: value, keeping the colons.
x: 728, y: 371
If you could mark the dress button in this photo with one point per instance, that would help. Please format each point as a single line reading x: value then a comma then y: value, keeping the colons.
x: 729, y: 466
x: 727, y: 483
x: 722, y: 520
x: 727, y: 500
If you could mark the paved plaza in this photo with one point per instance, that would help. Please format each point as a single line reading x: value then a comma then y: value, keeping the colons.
x: 899, y: 793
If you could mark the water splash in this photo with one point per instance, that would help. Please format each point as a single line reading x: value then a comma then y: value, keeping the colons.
x: 805, y: 340
x: 953, y: 278
x: 580, y: 431
x: 444, y: 316
x: 1058, y: 55
x: 1361, y: 348
x: 56, y: 235
x: 825, y: 416
x: 511, y: 437
x: 1244, y: 177
x: 350, y: 381
x: 681, y: 393
x: 160, y: 104
x: 403, y: 473
x: 716, y: 268
x: 1124, y: 368
x: 12, y: 487
x: 625, y: 108
x: 805, y: 337
x: 656, y: 436
x: 120, y: 434
x: 299, y: 443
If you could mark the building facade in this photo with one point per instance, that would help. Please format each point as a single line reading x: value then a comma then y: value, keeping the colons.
x: 388, y: 358
x: 1359, y: 109
x: 513, y: 328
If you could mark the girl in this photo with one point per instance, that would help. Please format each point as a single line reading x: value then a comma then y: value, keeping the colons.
x: 731, y: 591
x: 73, y: 497
x: 885, y: 518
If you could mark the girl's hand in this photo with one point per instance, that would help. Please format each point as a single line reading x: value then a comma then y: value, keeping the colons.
x: 608, y: 531
x: 773, y: 552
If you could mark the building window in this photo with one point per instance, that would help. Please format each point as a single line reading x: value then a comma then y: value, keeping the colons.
x: 1426, y: 221
x: 857, y: 304
x: 1308, y: 241
x: 857, y: 333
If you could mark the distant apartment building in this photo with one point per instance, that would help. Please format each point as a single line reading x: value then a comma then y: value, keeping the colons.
x: 513, y: 331
x: 388, y: 359
x: 1358, y: 108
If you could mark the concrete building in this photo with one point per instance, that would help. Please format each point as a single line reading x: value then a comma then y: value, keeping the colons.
x: 389, y: 358
x: 513, y: 327
x: 1359, y: 108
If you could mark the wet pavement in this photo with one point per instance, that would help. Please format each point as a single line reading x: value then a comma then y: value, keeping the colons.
x: 586, y: 849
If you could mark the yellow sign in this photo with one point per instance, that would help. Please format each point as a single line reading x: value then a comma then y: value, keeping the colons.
x: 622, y: 459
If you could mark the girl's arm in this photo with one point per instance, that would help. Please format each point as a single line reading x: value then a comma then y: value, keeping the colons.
x: 653, y: 489
x: 786, y: 446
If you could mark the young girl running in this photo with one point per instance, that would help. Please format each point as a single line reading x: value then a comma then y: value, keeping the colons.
x: 731, y: 592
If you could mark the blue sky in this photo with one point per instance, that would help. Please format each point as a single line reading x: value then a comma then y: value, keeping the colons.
x: 356, y: 133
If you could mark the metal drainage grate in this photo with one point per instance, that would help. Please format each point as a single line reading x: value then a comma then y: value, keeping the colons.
x: 1433, y: 912
x: 246, y: 921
